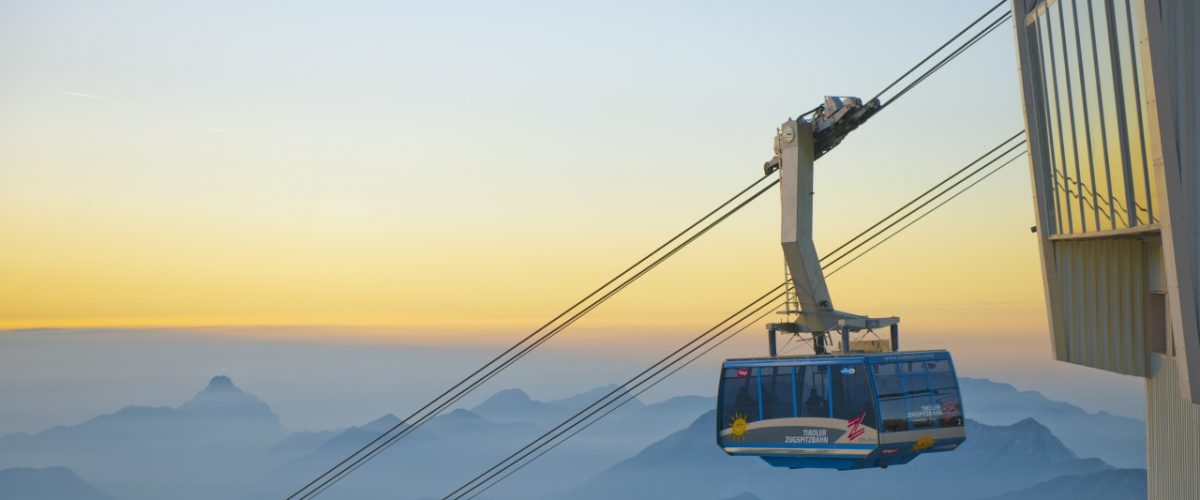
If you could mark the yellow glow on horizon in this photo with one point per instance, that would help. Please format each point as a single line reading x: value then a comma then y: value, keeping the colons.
x: 169, y: 263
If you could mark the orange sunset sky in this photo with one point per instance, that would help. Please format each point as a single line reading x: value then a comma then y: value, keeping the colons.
x: 330, y: 169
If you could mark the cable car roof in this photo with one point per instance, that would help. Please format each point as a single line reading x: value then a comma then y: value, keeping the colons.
x: 821, y: 359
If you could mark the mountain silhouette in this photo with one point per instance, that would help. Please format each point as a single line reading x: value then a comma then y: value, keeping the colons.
x: 441, y: 454
x: 50, y: 483
x: 1120, y: 441
x: 224, y: 400
x: 143, y: 452
x: 1116, y: 484
x: 583, y: 399
x: 659, y: 450
x: 688, y: 464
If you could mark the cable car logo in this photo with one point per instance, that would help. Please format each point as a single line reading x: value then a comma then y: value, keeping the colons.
x: 738, y: 426
x: 923, y: 443
x: 743, y: 372
x: 848, y: 371
x: 854, y: 426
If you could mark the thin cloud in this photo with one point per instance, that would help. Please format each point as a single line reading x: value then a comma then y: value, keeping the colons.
x: 219, y: 130
x: 88, y: 96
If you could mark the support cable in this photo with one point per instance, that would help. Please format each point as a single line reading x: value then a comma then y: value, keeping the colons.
x: 922, y: 195
x: 520, y: 458
x: 939, y: 49
x: 1019, y: 155
x: 925, y: 203
x: 632, y: 384
x: 953, y: 55
x: 383, y: 441
x: 634, y: 396
x: 449, y: 397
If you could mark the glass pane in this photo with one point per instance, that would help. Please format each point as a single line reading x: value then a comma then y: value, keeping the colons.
x: 949, y: 408
x: 1068, y: 95
x: 1131, y: 102
x: 1062, y: 120
x: 922, y: 411
x: 917, y: 386
x: 1145, y: 189
x: 1097, y: 178
x: 940, y: 375
x: 1077, y: 80
x: 891, y: 398
x: 1050, y: 111
x: 1110, y: 122
x: 777, y: 392
x: 739, y: 395
x: 814, y: 390
x: 852, y: 395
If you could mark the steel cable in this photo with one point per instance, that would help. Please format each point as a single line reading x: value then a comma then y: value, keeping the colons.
x: 518, y: 459
x: 339, y: 470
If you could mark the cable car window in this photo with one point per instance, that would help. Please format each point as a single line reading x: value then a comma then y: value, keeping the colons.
x: 777, y: 392
x: 917, y: 386
x: 739, y: 395
x: 922, y: 411
x: 945, y: 393
x: 852, y: 395
x: 813, y: 390
x: 941, y: 374
x: 891, y: 398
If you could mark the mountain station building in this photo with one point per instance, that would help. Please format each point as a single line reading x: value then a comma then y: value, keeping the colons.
x: 1111, y: 92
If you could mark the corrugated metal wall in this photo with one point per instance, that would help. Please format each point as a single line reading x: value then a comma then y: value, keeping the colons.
x: 1172, y: 435
x: 1174, y: 116
x: 1101, y: 322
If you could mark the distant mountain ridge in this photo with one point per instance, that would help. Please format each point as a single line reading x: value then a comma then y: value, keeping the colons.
x: 219, y: 401
x: 429, y: 462
x: 514, y: 405
x: 688, y: 464
x: 1115, y: 484
x: 50, y: 483
x: 142, y: 452
x: 1120, y: 441
x: 642, y: 450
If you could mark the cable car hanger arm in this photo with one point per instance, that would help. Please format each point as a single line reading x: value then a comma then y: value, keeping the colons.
x: 798, y: 143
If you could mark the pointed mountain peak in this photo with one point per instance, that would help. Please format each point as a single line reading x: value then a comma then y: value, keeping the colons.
x: 1028, y: 423
x: 511, y: 395
x: 382, y: 423
x: 221, y: 383
x: 222, y: 398
x: 460, y: 414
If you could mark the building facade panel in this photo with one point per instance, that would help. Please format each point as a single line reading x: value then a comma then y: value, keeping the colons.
x: 1172, y: 431
x: 1111, y: 92
x: 1104, y: 286
x: 1086, y: 125
x: 1173, y: 114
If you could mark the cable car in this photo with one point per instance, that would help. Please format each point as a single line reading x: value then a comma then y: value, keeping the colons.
x: 840, y: 411
x: 869, y: 405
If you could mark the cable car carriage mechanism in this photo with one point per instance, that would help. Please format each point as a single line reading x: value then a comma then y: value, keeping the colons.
x: 865, y: 404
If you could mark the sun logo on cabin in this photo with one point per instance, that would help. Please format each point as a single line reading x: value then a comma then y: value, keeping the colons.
x: 924, y: 443
x: 738, y: 426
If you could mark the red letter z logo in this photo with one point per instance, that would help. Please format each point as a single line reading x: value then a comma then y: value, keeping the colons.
x: 853, y: 426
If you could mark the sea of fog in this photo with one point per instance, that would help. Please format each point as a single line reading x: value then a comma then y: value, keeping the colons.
x: 328, y: 378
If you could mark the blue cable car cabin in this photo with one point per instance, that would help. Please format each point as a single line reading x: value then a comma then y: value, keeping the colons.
x: 845, y: 411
